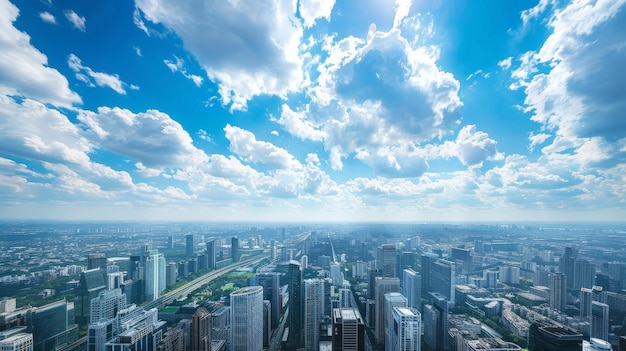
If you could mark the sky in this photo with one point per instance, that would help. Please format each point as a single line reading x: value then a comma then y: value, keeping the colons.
x: 313, y: 110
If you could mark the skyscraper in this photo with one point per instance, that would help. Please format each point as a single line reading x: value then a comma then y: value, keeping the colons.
x: 405, y: 330
x: 543, y: 336
x: 106, y: 305
x: 585, y: 298
x: 584, y: 274
x: 391, y: 300
x: 189, y: 245
x: 97, y: 260
x: 246, y: 330
x: 412, y: 287
x: 210, y: 251
x: 234, y: 249
x: 599, y: 320
x: 313, y: 312
x: 558, y: 291
x: 294, y: 278
x: 336, y: 274
x: 348, y: 330
x: 436, y: 322
x: 567, y: 265
x: 153, y: 264
x: 271, y: 291
x: 382, y: 286
x: 442, y: 277
x: 201, y: 330
x: 387, y: 260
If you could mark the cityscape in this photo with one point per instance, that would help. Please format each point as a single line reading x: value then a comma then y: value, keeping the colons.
x: 313, y: 175
x: 227, y: 286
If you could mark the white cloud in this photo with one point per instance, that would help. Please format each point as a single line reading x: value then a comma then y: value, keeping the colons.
x: 248, y: 48
x: 179, y: 65
x: 244, y: 144
x: 505, y: 64
x: 138, y: 21
x: 474, y: 147
x: 296, y: 124
x: 312, y: 10
x: 537, y: 139
x: 535, y: 11
x: 137, y: 50
x: 78, y: 22
x: 23, y: 68
x: 47, y: 17
x: 112, y: 81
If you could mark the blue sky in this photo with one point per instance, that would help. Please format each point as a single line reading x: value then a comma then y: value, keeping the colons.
x: 313, y: 110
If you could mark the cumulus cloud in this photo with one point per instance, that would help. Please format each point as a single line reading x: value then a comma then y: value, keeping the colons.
x: 506, y: 63
x: 24, y: 70
x: 249, y: 49
x: 178, y: 65
x: 89, y: 76
x: 47, y: 17
x: 537, y: 139
x: 474, y: 147
x: 297, y: 125
x: 312, y: 10
x: 78, y: 22
x: 575, y: 83
x: 245, y: 144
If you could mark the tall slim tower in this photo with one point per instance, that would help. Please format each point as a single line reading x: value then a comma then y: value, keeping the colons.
x: 234, y: 249
x: 271, y: 292
x: 210, y: 251
x: 313, y: 312
x: 599, y: 320
x: 558, y: 291
x: 442, y: 277
x: 153, y: 264
x: 412, y: 287
x: 246, y: 330
x: 189, y: 244
x: 348, y: 330
x: 294, y: 277
x: 387, y: 260
x: 383, y: 286
x: 201, y: 330
x: 391, y: 300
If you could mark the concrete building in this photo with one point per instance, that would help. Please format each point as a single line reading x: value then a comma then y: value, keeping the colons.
x: 348, y: 330
x: 404, y: 330
x: 392, y: 300
x: 544, y: 336
x: 382, y: 286
x: 153, y: 264
x: 201, y: 330
x: 17, y: 342
x: 599, y: 321
x: 558, y: 291
x: 313, y: 312
x: 246, y: 330
x: 412, y: 287
x: 270, y: 281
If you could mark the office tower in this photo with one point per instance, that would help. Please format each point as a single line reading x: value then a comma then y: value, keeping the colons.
x: 211, y: 251
x: 137, y: 329
x: 509, y: 274
x: 585, y: 297
x: 97, y: 260
x: 267, y: 323
x: 405, y: 330
x: 490, y: 279
x: 425, y: 270
x: 412, y: 287
x: 348, y: 330
x: 92, y: 282
x: 271, y: 291
x: 567, y: 265
x: 294, y: 279
x: 462, y: 255
x: 391, y: 300
x: 336, y: 275
x: 406, y: 259
x: 371, y: 281
x: 234, y: 249
x: 106, y: 305
x: 17, y: 342
x: 153, y: 264
x: 189, y: 248
x: 173, y: 340
x: 273, y: 250
x: 436, y: 323
x: 220, y: 319
x: 246, y: 318
x: 617, y: 275
x: 596, y: 345
x: 544, y: 336
x: 584, y: 274
x: 201, y: 330
x: 345, y: 299
x: 170, y: 274
x: 52, y: 325
x: 313, y: 312
x: 558, y: 292
x: 387, y: 260
x: 170, y: 242
x: 192, y: 265
x: 442, y: 278
x: 382, y: 286
x: 599, y: 320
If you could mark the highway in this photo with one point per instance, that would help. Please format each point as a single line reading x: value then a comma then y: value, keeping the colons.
x: 197, y: 283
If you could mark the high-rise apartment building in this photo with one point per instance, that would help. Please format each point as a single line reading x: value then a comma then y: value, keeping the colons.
x: 348, y: 330
x: 584, y: 274
x: 585, y: 297
x: 313, y: 312
x: 246, y: 330
x: 336, y: 274
x: 404, y: 330
x: 106, y: 305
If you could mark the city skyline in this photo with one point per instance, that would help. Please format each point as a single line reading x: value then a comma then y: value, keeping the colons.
x: 310, y: 111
